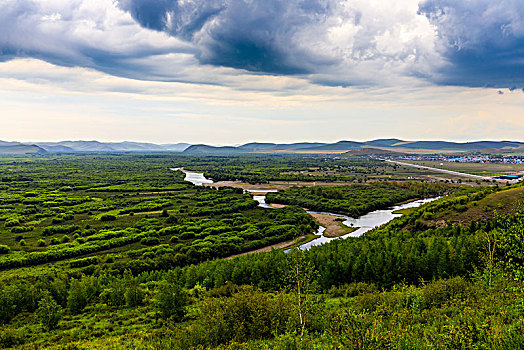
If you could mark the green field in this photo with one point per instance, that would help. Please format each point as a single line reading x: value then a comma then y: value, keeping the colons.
x: 489, y: 169
x: 55, y: 210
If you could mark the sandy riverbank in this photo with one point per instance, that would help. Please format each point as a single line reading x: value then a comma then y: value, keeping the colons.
x: 334, y: 227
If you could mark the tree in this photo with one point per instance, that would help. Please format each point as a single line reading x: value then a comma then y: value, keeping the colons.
x: 76, y: 299
x: 489, y: 255
x: 134, y: 296
x: 171, y: 301
x: 114, y: 295
x: 301, y: 275
x: 49, y: 312
x: 511, y: 237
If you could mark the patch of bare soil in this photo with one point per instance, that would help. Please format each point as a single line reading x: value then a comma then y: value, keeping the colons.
x: 281, y: 245
x: 334, y: 228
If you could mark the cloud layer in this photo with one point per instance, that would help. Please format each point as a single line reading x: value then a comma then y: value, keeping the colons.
x: 338, y: 42
x: 482, y: 40
x: 328, y: 42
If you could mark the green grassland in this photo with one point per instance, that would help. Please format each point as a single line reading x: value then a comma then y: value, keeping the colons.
x: 58, y: 209
x: 117, y: 252
x: 488, y: 169
x: 259, y: 169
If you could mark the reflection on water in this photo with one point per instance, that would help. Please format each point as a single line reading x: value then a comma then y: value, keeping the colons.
x: 197, y: 179
x: 262, y: 202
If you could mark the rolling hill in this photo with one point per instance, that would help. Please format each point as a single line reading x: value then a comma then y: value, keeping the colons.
x: 385, y: 145
x: 369, y: 152
x: 88, y: 146
x: 21, y: 149
x: 260, y: 147
x: 205, y: 149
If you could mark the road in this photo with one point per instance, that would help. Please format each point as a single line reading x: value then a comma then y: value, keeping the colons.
x: 451, y: 172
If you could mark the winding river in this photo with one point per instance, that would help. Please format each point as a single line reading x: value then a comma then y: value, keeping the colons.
x: 364, y: 223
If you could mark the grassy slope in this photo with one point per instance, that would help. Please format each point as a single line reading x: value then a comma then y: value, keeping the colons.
x: 501, y: 202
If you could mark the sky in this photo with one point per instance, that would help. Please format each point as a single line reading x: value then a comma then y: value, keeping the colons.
x: 236, y: 71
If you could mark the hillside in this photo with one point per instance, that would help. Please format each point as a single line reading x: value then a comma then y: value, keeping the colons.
x: 96, y: 146
x: 477, y: 210
x: 261, y: 147
x: 176, y: 147
x: 205, y: 149
x: 470, y: 208
x: 456, y: 146
x: 383, y: 142
x: 383, y: 145
x: 370, y: 152
x: 21, y: 149
x: 338, y: 146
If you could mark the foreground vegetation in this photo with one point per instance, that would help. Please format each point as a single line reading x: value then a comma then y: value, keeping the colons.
x: 129, y: 260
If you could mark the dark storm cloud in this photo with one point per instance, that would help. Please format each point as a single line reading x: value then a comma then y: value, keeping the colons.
x: 257, y: 35
x: 482, y: 40
x: 181, y: 18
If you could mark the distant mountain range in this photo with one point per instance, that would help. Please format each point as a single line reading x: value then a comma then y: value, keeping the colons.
x: 392, y: 145
x: 87, y: 146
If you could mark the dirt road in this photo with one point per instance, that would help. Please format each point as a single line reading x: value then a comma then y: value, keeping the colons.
x: 451, y: 172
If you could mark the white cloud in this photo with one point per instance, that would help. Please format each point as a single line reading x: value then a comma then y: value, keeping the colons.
x: 41, y: 101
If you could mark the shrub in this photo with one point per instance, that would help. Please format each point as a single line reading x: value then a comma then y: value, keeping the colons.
x: 4, y: 249
x: 246, y: 315
x: 20, y: 229
x: 12, y: 222
x: 65, y: 239
x: 10, y: 338
x: 41, y: 243
x: 150, y: 241
x: 352, y: 289
x: 52, y: 230
x: 84, y: 262
x: 171, y: 220
x: 440, y: 292
x: 22, y: 242
x: 108, y: 217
